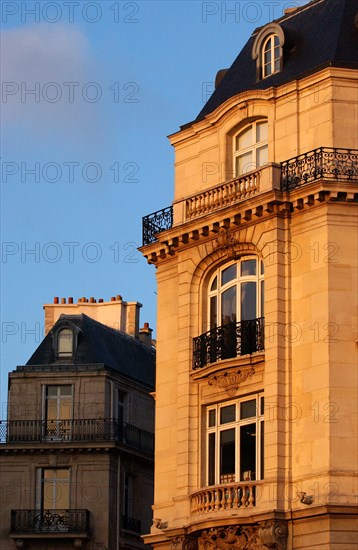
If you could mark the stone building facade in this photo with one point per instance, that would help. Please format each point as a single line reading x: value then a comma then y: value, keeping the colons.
x: 76, y: 451
x: 256, y: 437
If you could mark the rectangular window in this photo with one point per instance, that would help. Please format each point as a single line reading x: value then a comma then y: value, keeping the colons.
x: 58, y: 411
x: 235, y: 441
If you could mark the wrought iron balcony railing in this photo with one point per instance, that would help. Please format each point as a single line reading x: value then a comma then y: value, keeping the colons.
x: 37, y: 522
x: 155, y: 223
x: 322, y: 163
x: 227, y: 341
x: 75, y: 431
x: 131, y: 524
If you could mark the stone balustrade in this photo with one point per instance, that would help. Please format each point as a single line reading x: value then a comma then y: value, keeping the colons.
x: 224, y: 497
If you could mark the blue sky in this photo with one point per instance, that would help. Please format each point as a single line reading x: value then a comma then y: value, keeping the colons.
x: 90, y: 90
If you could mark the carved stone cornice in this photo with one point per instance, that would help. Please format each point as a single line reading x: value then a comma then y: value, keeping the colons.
x: 230, y: 381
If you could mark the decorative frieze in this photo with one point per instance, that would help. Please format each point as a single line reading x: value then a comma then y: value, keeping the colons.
x: 270, y: 534
x: 230, y: 381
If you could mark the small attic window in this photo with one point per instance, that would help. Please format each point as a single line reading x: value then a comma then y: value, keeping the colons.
x: 271, y: 56
x: 65, y: 341
x: 267, y: 50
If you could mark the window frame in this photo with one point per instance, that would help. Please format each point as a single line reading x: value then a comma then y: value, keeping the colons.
x: 53, y: 428
x: 253, y: 148
x: 257, y: 52
x: 237, y: 424
x: 236, y: 282
x: 275, y: 51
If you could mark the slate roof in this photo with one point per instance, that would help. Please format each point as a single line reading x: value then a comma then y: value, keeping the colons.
x: 322, y: 34
x: 99, y: 344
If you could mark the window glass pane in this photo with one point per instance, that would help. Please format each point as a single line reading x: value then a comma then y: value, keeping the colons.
x: 52, y: 409
x: 267, y: 57
x: 227, y: 454
x: 262, y: 405
x: 248, y: 452
x: 228, y: 274
x: 212, y: 418
x: 261, y: 131
x: 262, y: 156
x: 214, y: 284
x: 262, y: 268
x: 65, y: 341
x: 211, y: 459
x: 213, y: 312
x: 52, y: 391
x: 245, y: 139
x: 248, y: 267
x: 276, y: 40
x: 65, y: 390
x: 228, y: 306
x: 244, y: 163
x: 248, y: 301
x: 248, y: 409
x: 262, y: 312
x: 227, y: 414
x: 65, y: 409
x: 267, y: 69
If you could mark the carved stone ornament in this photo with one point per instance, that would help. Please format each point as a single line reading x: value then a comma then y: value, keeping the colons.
x: 225, y: 241
x: 273, y: 534
x: 270, y: 534
x: 230, y: 381
x: 184, y: 542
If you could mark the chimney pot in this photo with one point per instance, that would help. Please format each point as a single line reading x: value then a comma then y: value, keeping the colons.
x: 100, y: 301
x: 113, y: 299
x: 63, y: 300
x: 119, y: 297
x: 70, y: 300
x: 56, y: 300
x: 92, y: 300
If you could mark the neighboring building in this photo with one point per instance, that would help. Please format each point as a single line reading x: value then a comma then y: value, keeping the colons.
x: 76, y: 451
x: 257, y: 297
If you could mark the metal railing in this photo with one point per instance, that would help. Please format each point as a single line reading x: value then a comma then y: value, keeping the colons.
x: 50, y: 521
x: 322, y: 163
x: 155, y: 223
x: 75, y: 431
x: 227, y: 341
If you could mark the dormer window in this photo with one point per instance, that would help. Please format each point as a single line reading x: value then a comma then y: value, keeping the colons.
x: 65, y: 343
x: 267, y: 50
x: 271, y: 56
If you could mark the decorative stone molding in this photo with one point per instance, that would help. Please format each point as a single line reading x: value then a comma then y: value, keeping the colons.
x: 184, y: 542
x: 227, y: 242
x: 273, y: 534
x: 231, y: 381
x: 270, y: 534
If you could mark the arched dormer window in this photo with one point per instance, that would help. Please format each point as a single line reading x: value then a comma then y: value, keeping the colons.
x: 65, y: 341
x: 250, y: 147
x: 267, y: 50
x: 271, y: 56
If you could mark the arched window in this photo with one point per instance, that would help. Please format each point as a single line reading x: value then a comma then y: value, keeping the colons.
x: 251, y: 147
x: 236, y: 292
x: 271, y: 56
x: 65, y: 343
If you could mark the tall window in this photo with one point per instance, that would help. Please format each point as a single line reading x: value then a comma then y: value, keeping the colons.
x: 251, y: 148
x: 236, y: 292
x: 235, y: 441
x: 55, y: 489
x: 65, y: 343
x: 58, y: 411
x: 271, y: 56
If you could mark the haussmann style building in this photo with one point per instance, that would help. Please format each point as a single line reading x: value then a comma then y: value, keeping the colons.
x: 256, y: 377
x: 76, y: 451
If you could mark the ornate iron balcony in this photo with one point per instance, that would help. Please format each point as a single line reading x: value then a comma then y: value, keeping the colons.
x: 50, y: 521
x: 131, y: 524
x: 155, y: 223
x: 322, y: 163
x: 231, y: 340
x: 75, y: 431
